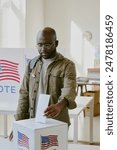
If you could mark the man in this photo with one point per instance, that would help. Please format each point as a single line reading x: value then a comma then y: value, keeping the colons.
x: 52, y: 74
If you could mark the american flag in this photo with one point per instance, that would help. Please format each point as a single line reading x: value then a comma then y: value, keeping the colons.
x: 48, y: 141
x: 23, y: 140
x: 9, y: 71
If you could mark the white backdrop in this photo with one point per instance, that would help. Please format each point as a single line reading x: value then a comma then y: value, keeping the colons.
x: 11, y: 74
x: 12, y: 67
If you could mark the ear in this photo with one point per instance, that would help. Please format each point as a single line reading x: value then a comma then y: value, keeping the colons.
x: 56, y: 43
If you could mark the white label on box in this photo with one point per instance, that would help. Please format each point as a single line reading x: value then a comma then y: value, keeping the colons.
x: 42, y: 105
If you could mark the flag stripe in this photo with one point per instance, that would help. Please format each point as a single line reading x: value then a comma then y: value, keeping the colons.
x: 9, y: 67
x: 14, y: 71
x: 7, y: 61
x: 7, y: 64
x: 9, y: 71
x: 15, y: 77
x: 10, y: 79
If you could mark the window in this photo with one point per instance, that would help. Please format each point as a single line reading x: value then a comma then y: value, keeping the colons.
x: 12, y: 23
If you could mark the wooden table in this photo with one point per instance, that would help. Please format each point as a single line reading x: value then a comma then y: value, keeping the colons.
x: 84, y: 84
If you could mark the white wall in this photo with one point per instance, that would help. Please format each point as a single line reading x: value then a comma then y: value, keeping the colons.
x: 71, y: 18
x: 34, y: 20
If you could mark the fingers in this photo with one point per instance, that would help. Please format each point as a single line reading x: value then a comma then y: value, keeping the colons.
x: 51, y: 111
x: 49, y: 108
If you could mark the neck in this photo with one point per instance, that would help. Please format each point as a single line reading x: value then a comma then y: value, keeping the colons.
x: 53, y: 55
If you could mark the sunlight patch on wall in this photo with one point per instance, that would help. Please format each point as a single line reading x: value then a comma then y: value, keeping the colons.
x: 81, y: 50
x: 76, y: 46
x: 88, y: 56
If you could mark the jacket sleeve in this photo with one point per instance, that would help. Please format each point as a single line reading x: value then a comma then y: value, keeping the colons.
x: 69, y: 89
x: 23, y: 102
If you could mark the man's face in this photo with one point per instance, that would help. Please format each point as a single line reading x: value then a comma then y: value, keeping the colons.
x: 46, y: 44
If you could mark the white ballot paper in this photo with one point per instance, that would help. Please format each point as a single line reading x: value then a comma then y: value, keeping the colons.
x: 42, y: 105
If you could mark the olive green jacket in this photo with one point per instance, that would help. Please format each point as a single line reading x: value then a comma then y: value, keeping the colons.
x: 60, y: 83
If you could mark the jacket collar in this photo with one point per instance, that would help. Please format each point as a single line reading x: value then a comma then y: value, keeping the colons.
x: 59, y: 57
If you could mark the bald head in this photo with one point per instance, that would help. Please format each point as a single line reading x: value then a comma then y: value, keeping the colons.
x: 47, y: 31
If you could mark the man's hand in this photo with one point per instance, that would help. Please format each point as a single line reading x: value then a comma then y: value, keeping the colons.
x: 11, y: 136
x: 55, y: 109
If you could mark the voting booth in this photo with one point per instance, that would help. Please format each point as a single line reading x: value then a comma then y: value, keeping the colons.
x: 31, y: 135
